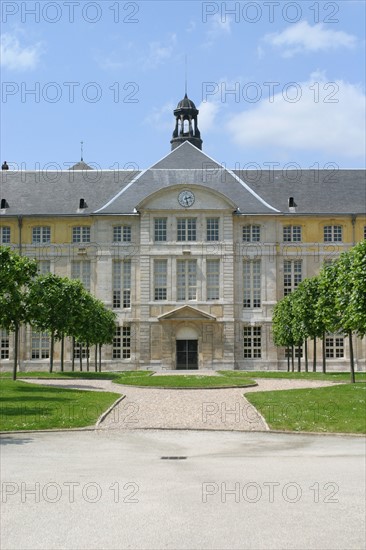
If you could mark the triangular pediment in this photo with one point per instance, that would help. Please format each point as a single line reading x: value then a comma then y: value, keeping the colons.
x: 186, y: 313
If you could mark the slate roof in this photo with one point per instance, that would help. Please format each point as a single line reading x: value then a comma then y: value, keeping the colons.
x: 120, y: 192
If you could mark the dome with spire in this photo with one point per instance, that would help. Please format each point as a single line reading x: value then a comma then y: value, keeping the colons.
x: 186, y: 103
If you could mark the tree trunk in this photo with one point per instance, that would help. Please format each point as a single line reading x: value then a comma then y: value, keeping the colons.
x: 62, y: 352
x: 81, y: 357
x: 96, y: 358
x: 352, y: 359
x: 314, y: 356
x: 52, y: 350
x: 292, y: 358
x: 306, y: 356
x: 324, y: 365
x: 73, y: 355
x: 16, y: 347
x: 288, y: 359
x: 299, y: 358
x: 87, y: 358
x: 100, y: 357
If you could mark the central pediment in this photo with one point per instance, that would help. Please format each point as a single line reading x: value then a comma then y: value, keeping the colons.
x: 186, y: 313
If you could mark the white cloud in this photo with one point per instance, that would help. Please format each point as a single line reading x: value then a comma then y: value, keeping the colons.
x: 159, y: 52
x: 218, y: 26
x: 311, y: 124
x: 302, y: 37
x: 207, y: 116
x: 162, y: 118
x: 16, y: 57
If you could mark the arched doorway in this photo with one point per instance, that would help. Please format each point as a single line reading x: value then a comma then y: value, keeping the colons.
x: 186, y: 349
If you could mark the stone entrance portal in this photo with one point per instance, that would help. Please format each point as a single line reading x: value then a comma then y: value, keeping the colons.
x: 187, y: 354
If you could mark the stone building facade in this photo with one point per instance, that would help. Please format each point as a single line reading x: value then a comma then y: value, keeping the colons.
x: 192, y: 256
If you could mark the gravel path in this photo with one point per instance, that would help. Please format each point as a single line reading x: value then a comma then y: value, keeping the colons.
x: 222, y: 409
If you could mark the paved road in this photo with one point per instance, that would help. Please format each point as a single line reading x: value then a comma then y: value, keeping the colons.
x: 111, y: 490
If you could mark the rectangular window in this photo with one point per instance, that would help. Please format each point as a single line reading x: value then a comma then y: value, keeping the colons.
x: 212, y: 229
x: 4, y: 235
x: 292, y: 275
x: 332, y: 233
x: 252, y: 342
x: 296, y: 352
x: 186, y: 280
x: 41, y: 235
x: 252, y: 284
x: 186, y: 229
x: 251, y: 233
x: 213, y: 279
x: 122, y: 234
x: 292, y: 233
x: 122, y: 284
x: 160, y: 230
x: 364, y: 232
x: 80, y: 346
x: 160, y: 279
x: 81, y: 234
x: 81, y: 270
x: 40, y: 345
x: 4, y: 344
x: 44, y: 267
x: 334, y: 347
x: 122, y: 343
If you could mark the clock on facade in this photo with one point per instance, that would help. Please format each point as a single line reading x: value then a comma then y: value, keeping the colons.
x: 186, y: 198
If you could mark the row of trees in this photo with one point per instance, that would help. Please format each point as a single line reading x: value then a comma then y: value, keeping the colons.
x: 49, y: 303
x: 332, y: 302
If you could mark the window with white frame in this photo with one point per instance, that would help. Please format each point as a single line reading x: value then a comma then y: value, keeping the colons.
x: 292, y: 233
x: 292, y: 275
x: 4, y: 344
x: 81, y: 234
x: 332, y: 233
x: 41, y: 234
x: 83, y: 348
x: 82, y: 270
x: 334, y: 346
x: 160, y: 230
x: 213, y: 279
x: 4, y: 234
x: 186, y: 280
x: 40, y: 345
x: 212, y: 229
x: 122, y: 343
x: 252, y: 342
x: 251, y: 233
x: 160, y: 279
x: 288, y: 352
x: 122, y: 234
x: 252, y: 283
x: 44, y: 267
x: 122, y: 284
x: 186, y: 229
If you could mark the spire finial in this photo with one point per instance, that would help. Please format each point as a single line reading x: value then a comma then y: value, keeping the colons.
x: 81, y: 150
x: 186, y: 78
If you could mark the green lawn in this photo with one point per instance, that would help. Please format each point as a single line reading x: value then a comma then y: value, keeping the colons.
x: 26, y: 406
x: 331, y: 376
x: 77, y: 374
x: 339, y: 409
x: 187, y: 381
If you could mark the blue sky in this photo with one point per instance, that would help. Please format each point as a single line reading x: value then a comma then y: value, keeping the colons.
x: 110, y: 73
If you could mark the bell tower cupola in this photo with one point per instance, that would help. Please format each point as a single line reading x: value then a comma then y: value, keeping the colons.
x: 186, y: 126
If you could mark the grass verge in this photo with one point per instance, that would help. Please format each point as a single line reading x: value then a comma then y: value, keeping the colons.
x: 332, y: 409
x: 32, y: 407
x: 186, y: 381
x: 330, y: 376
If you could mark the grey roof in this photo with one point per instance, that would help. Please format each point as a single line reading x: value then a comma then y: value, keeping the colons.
x: 119, y: 192
x: 186, y: 103
x: 81, y: 165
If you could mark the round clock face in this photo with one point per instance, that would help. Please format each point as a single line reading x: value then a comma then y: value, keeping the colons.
x: 186, y: 198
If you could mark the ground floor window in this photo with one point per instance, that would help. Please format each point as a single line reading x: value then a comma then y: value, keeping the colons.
x: 83, y: 348
x: 40, y: 345
x: 296, y: 352
x: 122, y: 343
x: 252, y: 342
x: 4, y: 344
x: 334, y: 346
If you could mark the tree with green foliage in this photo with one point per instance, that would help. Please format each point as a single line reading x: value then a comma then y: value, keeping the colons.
x: 282, y: 327
x: 55, y: 304
x: 16, y: 275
